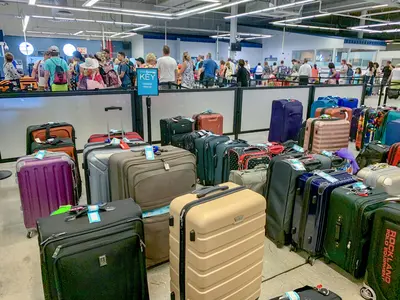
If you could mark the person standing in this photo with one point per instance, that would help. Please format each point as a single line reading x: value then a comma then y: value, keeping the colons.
x: 123, y: 71
x: 369, y: 78
x: 315, y: 74
x: 343, y: 71
x: 167, y: 70
x: 56, y: 70
x: 394, y: 78
x: 259, y: 73
x: 242, y: 74
x: 209, y: 69
x: 76, y: 70
x: 229, y: 71
x: 350, y: 73
x: 10, y: 72
x: 387, y: 70
x: 108, y: 59
x: 151, y: 60
x: 247, y: 65
x: 140, y: 62
x: 295, y: 66
x: 305, y: 73
x: 38, y: 71
x: 282, y: 71
x: 357, y: 76
x: 333, y: 76
x: 187, y: 71
x: 275, y: 68
x: 90, y: 77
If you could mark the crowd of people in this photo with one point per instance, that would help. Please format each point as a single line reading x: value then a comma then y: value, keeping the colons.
x: 100, y: 71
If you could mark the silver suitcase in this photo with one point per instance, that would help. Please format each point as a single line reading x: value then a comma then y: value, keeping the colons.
x: 254, y: 179
x: 382, y: 175
x: 95, y: 167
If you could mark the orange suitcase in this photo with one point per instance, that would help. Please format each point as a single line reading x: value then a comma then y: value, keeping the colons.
x: 213, y: 122
x: 326, y: 134
x: 26, y: 83
x: 217, y: 243
x: 335, y: 112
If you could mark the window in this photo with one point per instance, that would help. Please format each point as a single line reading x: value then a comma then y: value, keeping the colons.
x: 340, y: 55
x: 360, y: 57
x: 323, y: 57
x: 303, y: 54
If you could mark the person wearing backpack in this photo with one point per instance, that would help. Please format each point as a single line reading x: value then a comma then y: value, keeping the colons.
x: 350, y: 73
x: 56, y: 70
x: 282, y: 71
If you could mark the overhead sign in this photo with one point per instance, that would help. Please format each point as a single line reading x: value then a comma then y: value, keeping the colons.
x: 147, y: 81
x: 82, y: 50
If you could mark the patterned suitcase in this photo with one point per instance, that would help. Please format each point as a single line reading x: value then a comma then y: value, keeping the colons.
x: 217, y: 243
x: 366, y: 127
x: 326, y: 134
x: 354, y: 123
x: 336, y: 112
x: 44, y: 185
x: 213, y: 122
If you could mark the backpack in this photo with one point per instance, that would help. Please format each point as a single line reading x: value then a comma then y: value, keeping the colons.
x: 350, y: 72
x: 60, y: 76
x: 111, y: 79
x: 282, y: 72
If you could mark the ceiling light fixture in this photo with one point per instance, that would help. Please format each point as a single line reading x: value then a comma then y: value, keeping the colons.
x: 32, y: 2
x: 203, y: 7
x: 25, y: 23
x: 303, y: 18
x: 90, y: 3
x: 90, y: 21
x: 379, y: 6
x: 224, y: 6
x: 107, y: 9
x: 377, y: 25
x: 78, y: 33
x: 382, y: 13
x: 271, y: 8
x: 309, y: 27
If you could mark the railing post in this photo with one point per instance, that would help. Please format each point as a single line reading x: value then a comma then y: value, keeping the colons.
x: 237, y: 111
x: 311, y: 95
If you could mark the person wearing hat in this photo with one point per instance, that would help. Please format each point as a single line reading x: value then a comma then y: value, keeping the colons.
x: 75, y: 71
x: 140, y: 62
x: 55, y: 66
x: 90, y: 78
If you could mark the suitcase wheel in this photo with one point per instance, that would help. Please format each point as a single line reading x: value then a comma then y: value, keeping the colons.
x: 367, y: 293
x: 30, y: 234
x: 293, y: 248
x: 311, y: 260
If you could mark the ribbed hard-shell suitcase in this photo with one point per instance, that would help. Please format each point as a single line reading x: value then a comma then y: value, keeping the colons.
x: 217, y: 244
x: 326, y: 134
x: 335, y: 112
x: 213, y: 122
x: 382, y: 175
x: 44, y: 185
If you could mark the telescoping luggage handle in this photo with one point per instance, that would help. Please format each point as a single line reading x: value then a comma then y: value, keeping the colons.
x: 207, y: 190
x: 108, y: 108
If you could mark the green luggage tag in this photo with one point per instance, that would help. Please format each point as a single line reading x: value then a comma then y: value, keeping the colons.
x: 156, y: 212
x: 62, y: 210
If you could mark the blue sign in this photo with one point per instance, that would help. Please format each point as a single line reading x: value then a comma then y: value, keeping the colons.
x: 147, y: 81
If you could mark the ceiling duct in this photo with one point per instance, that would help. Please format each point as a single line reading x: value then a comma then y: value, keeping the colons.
x: 278, y: 13
x: 62, y: 12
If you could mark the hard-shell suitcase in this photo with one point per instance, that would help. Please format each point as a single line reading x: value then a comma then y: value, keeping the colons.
x: 311, y: 207
x: 349, y: 226
x: 95, y: 167
x: 382, y: 175
x: 326, y: 134
x: 383, y: 276
x: 28, y: 83
x: 366, y: 127
x: 335, y: 112
x: 354, y: 123
x: 394, y: 154
x: 153, y: 184
x: 217, y: 244
x: 44, y: 185
x: 389, y: 117
x: 310, y: 293
x: 253, y: 179
x: 172, y: 126
x: 392, y: 132
x: 213, y: 122
x: 286, y: 120
x: 101, y: 260
x: 322, y: 102
x: 47, y: 131
x: 372, y: 153
x: 348, y: 102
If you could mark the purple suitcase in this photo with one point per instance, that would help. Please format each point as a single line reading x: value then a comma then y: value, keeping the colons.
x: 286, y: 120
x: 354, y: 123
x: 44, y: 185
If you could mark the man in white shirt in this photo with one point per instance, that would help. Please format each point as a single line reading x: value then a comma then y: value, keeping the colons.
x: 343, y: 72
x: 38, y: 71
x: 167, y: 70
x: 304, y: 73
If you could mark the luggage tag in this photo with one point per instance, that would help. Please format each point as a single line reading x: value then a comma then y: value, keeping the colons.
x: 326, y: 176
x: 93, y: 214
x: 156, y: 212
x: 296, y: 164
x: 41, y: 154
x: 190, y: 119
x: 37, y: 140
x: 115, y: 141
x: 298, y: 148
x: 324, y: 116
x: 148, y: 151
x: 290, y: 296
x: 327, y: 153
x: 124, y: 146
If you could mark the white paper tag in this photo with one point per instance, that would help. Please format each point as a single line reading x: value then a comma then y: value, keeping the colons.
x: 148, y: 151
x: 326, y: 176
x: 296, y: 164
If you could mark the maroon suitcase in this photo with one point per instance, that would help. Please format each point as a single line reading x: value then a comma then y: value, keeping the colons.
x: 44, y: 185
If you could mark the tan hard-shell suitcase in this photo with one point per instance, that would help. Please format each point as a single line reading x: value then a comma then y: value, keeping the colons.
x: 153, y: 184
x: 382, y: 175
x: 326, y: 134
x: 217, y: 243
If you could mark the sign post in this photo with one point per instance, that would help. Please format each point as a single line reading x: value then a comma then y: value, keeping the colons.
x: 147, y: 83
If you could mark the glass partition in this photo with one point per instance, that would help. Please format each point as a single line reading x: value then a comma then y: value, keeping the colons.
x: 360, y: 57
x: 340, y: 55
x: 323, y: 57
x: 303, y: 54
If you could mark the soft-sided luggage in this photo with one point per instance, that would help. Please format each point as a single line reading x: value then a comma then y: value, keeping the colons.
x: 187, y: 140
x: 372, y: 153
x: 383, y: 277
x: 95, y: 167
x: 310, y: 293
x: 392, y: 132
x: 286, y: 119
x: 393, y: 93
x: 44, y: 185
x: 323, y: 102
x: 236, y: 153
x: 348, y: 102
x: 335, y: 112
x: 366, y: 127
x: 326, y: 134
x: 173, y: 126
x: 48, y: 131
x: 311, y: 207
x: 349, y: 226
x: 94, y: 260
x: 394, y: 154
x: 253, y: 179
x: 213, y: 122
x: 153, y: 184
x: 354, y: 123
x: 217, y: 244
x: 382, y: 175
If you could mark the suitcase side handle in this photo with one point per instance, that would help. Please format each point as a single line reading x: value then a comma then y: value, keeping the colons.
x: 112, y: 108
x: 207, y: 190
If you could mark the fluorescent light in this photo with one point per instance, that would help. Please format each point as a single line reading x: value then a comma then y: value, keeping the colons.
x: 366, y: 30
x: 128, y: 35
x: 90, y: 3
x: 92, y: 21
x: 78, y: 33
x: 98, y: 31
x: 391, y: 30
x: 32, y: 2
x: 140, y: 28
x: 41, y: 17
x: 257, y: 37
x: 104, y: 22
x: 224, y: 6
x: 308, y: 27
x: 379, y: 6
x: 382, y: 13
x: 270, y: 8
x: 376, y: 25
x: 62, y: 7
x: 107, y: 9
x: 85, y: 20
x: 25, y: 23
x: 117, y: 34
x: 302, y: 18
x: 203, y: 7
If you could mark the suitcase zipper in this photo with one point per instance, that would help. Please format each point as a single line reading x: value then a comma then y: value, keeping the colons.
x: 182, y: 234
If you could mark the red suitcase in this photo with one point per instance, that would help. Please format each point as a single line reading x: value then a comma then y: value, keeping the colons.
x: 213, y: 122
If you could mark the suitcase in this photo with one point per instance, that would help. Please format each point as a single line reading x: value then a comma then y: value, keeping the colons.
x: 348, y: 102
x: 173, y: 126
x: 310, y: 293
x: 100, y: 260
x: 392, y: 132
x: 118, y: 134
x: 380, y: 120
x: 336, y: 112
x: 49, y: 130
x: 213, y: 122
x: 354, y: 123
x: 394, y: 154
x: 217, y: 244
x: 286, y: 120
x: 311, y: 207
x: 366, y: 127
x: 187, y: 140
x: 44, y: 185
x: 383, y: 279
x: 236, y: 153
x: 372, y: 153
x: 326, y: 134
x: 28, y: 83
x: 323, y: 102
x: 349, y: 226
x: 251, y: 160
x: 382, y: 175
x: 253, y: 179
x: 153, y: 184
x: 95, y: 167
x: 389, y: 117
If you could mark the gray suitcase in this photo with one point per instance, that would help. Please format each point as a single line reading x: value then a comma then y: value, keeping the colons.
x: 382, y: 175
x: 254, y: 179
x: 95, y: 166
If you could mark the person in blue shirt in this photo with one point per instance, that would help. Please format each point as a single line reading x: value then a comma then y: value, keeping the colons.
x: 209, y: 69
x: 56, y: 67
x: 123, y: 71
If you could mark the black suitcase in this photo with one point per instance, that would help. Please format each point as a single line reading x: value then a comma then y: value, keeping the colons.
x: 383, y: 270
x: 373, y: 153
x: 173, y: 126
x: 101, y: 260
x: 310, y: 293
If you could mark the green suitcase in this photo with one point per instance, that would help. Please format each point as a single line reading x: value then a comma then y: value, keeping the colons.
x: 349, y: 226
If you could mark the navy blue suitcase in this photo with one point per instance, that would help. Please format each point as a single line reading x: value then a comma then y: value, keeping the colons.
x: 310, y: 210
x: 354, y: 123
x: 286, y: 120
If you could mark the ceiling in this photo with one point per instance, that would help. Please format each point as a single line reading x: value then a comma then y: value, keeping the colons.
x: 122, y: 19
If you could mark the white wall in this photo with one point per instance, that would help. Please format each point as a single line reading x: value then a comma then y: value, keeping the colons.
x: 387, y: 55
x: 137, y: 46
x: 195, y: 49
x: 155, y: 46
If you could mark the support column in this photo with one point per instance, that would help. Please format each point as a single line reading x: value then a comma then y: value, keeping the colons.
x: 233, y: 29
x: 137, y: 46
x: 360, y: 34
